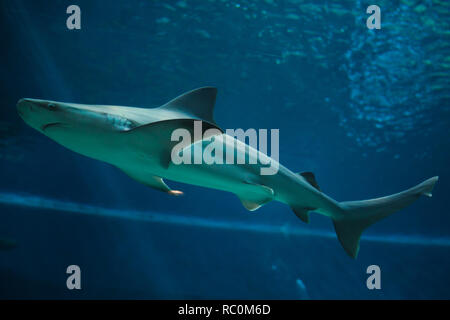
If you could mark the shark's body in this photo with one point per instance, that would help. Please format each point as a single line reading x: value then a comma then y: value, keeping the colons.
x: 138, y: 141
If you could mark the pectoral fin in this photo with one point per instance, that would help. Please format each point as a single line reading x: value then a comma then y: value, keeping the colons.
x: 256, y: 196
x: 155, y: 139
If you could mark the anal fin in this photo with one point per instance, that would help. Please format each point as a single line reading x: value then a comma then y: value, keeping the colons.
x: 302, y: 213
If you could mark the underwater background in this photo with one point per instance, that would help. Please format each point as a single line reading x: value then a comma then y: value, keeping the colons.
x: 368, y: 111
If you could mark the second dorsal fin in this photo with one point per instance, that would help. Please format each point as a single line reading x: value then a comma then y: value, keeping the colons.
x: 198, y: 103
x: 309, y: 176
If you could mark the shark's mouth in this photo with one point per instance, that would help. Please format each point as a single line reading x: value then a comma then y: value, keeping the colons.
x: 49, y: 125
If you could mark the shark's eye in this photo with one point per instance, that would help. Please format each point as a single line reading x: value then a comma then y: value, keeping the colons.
x: 51, y: 106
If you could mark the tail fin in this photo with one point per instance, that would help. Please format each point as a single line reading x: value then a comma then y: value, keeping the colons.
x: 358, y: 215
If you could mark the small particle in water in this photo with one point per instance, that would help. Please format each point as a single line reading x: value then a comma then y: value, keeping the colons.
x: 397, y: 156
x: 204, y: 33
x: 7, y: 244
x: 420, y: 8
x: 237, y: 5
x: 163, y: 20
x: 292, y: 16
x: 302, y: 289
x: 182, y: 4
x: 300, y: 283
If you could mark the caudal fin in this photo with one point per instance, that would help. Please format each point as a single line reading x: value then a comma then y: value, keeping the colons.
x: 358, y: 215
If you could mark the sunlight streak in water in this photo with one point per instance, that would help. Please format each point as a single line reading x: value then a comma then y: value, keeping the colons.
x: 160, y: 217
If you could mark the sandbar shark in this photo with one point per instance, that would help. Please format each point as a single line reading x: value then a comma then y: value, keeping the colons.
x: 139, y: 142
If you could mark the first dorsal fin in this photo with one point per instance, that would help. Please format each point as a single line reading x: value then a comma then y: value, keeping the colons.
x: 309, y: 176
x: 198, y: 103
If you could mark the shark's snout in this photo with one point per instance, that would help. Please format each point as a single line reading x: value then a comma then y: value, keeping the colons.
x: 27, y: 105
x: 24, y: 107
x: 36, y: 113
x: 30, y: 104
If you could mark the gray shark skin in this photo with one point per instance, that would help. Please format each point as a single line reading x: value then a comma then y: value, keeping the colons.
x: 138, y: 142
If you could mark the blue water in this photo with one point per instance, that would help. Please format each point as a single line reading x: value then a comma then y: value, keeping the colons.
x: 366, y: 110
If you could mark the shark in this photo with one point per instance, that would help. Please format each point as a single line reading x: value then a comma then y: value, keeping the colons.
x: 138, y: 141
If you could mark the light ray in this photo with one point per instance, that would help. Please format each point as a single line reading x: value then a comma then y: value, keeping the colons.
x: 37, y: 202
